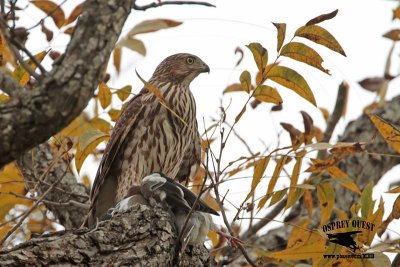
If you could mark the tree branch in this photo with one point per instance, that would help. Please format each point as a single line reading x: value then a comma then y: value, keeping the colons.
x: 63, y: 92
x: 8, y: 84
x: 159, y: 3
x: 148, y: 239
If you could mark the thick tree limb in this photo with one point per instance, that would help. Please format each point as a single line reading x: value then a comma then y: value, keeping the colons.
x: 141, y: 237
x: 32, y: 116
x: 33, y: 164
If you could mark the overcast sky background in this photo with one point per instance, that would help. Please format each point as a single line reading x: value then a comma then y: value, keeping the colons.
x: 214, y: 33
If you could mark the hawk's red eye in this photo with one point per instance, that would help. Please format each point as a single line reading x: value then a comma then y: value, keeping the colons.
x: 190, y: 60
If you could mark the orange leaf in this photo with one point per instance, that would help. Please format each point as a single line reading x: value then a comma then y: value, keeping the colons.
x: 74, y: 14
x: 117, y: 58
x: 389, y: 132
x: 393, y: 35
x: 52, y: 10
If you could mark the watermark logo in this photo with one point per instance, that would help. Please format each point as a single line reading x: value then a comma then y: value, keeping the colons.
x: 344, y: 233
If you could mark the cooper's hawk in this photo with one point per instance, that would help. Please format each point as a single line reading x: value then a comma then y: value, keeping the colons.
x: 149, y: 138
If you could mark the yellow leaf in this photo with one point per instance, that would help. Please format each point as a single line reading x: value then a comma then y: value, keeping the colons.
x: 86, y: 181
x: 11, y: 180
x: 101, y: 125
x: 396, y: 13
x: 259, y: 169
x: 236, y: 87
x: 117, y: 58
x: 4, y: 98
x: 277, y: 196
x: 292, y: 80
x: 114, y: 114
x: 320, y: 36
x: 86, y: 144
x: 303, y: 53
x: 325, y: 114
x: 304, y: 244
x: 260, y: 55
x: 308, y: 201
x: 267, y: 94
x: 272, y: 182
x: 77, y: 127
x: 153, y: 25
x: 6, y: 56
x: 21, y: 75
x: 245, y: 81
x: 51, y: 9
x: 281, y: 27
x: 133, y: 44
x: 293, y: 195
x: 124, y: 92
x: 326, y: 199
x: 104, y: 95
x: 389, y: 132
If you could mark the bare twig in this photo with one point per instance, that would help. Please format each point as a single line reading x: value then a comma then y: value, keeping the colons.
x: 158, y: 4
x: 47, y: 15
x: 336, y: 114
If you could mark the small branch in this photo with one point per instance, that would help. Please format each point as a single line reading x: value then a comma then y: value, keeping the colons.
x: 256, y: 227
x: 158, y: 4
x: 340, y: 105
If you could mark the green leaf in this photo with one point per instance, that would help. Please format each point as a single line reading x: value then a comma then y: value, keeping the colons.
x: 245, y: 81
x: 104, y: 95
x: 292, y: 80
x: 303, y: 53
x: 124, y: 92
x: 259, y: 169
x: 367, y: 204
x: 86, y: 144
x: 153, y: 25
x: 320, y: 36
x: 267, y: 94
x: 260, y: 55
x: 281, y: 27
x: 133, y: 44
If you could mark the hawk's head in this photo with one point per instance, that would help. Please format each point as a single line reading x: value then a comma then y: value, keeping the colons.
x: 179, y: 68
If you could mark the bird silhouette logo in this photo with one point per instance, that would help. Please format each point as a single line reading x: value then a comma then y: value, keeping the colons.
x: 345, y: 239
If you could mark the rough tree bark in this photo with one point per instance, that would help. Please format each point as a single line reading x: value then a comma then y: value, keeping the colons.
x: 142, y: 236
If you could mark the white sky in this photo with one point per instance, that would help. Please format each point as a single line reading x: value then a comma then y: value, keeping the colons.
x: 214, y: 33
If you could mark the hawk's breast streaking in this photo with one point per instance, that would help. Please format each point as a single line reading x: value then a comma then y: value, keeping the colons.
x: 149, y: 138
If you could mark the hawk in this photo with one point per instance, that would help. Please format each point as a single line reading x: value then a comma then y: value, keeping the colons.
x: 149, y: 138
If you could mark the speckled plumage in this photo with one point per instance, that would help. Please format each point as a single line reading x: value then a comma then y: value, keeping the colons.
x: 148, y: 138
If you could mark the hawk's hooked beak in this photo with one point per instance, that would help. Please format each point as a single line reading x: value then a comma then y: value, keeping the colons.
x: 206, y: 68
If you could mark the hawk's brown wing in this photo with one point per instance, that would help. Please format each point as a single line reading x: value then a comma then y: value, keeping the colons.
x: 101, y: 201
